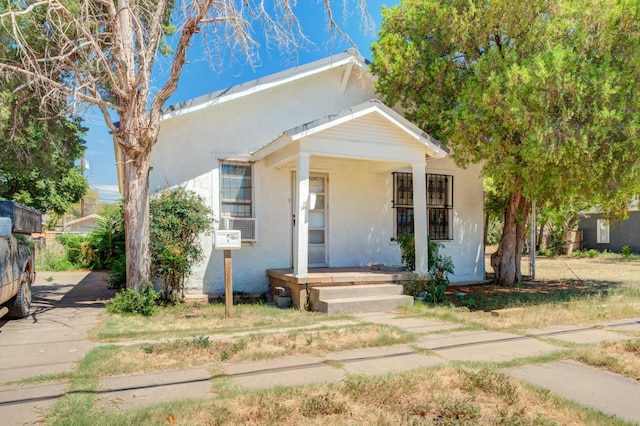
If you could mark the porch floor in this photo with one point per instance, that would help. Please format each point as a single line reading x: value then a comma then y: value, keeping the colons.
x: 322, y: 277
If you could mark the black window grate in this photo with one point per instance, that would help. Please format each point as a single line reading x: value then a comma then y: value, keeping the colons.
x: 439, y: 204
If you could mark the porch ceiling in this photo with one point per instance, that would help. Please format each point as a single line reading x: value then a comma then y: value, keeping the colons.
x: 369, y: 131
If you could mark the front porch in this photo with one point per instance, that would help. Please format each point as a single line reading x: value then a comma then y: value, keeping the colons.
x: 299, y: 287
x: 381, y: 141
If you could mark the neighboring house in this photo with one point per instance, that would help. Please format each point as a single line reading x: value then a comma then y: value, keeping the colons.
x: 598, y: 233
x: 84, y: 225
x: 316, y: 173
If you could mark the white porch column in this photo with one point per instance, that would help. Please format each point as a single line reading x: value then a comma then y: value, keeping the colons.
x: 420, y: 216
x: 301, y: 238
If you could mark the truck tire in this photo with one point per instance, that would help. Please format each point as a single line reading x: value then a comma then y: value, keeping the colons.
x: 20, y: 305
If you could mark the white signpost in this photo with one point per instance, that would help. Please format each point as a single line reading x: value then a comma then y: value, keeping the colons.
x: 227, y: 240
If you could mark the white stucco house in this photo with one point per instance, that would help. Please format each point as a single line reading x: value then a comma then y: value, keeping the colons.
x: 316, y: 173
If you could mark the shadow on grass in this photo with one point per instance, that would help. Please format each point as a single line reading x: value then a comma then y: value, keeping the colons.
x: 488, y: 297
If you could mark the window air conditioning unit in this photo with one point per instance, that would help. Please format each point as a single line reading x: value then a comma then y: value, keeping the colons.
x: 248, y: 227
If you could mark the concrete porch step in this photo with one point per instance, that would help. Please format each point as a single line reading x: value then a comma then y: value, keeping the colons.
x: 360, y: 290
x: 353, y: 299
x: 354, y: 305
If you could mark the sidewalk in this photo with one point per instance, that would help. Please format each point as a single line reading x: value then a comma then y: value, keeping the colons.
x: 65, y: 312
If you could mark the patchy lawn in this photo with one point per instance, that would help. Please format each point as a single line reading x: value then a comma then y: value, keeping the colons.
x: 569, y: 291
x: 200, y: 319
x: 487, y: 297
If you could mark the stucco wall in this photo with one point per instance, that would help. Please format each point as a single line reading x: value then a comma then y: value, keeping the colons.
x: 467, y: 246
x: 360, y: 224
x: 186, y: 143
x: 360, y: 215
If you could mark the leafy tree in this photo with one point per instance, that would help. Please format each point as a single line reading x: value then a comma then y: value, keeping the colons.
x: 178, y: 217
x: 543, y: 92
x: 40, y: 144
x: 103, y: 52
x: 46, y: 193
x: 38, y: 151
x: 108, y: 239
x: 558, y: 221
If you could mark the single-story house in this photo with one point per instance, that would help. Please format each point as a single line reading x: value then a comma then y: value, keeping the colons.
x: 599, y: 234
x: 316, y: 173
x: 83, y: 225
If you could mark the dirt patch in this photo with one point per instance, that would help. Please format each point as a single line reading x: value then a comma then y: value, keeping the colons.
x: 558, y: 279
x: 554, y: 269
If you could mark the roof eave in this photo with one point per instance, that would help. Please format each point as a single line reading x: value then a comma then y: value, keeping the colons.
x: 265, y: 83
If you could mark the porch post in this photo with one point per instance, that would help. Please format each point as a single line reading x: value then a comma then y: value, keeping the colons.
x: 420, y: 216
x: 301, y: 240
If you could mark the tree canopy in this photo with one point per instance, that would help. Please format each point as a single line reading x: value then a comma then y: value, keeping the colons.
x: 38, y: 150
x: 544, y: 93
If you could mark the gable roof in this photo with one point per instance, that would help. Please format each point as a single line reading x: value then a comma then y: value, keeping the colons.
x: 435, y: 148
x: 349, y: 57
x: 84, y: 219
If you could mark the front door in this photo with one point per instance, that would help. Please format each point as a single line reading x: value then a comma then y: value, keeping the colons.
x: 317, y: 219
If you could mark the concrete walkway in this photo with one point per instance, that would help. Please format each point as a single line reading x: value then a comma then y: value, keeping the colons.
x: 53, y: 340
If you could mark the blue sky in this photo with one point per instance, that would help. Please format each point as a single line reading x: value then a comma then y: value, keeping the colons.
x: 198, y: 78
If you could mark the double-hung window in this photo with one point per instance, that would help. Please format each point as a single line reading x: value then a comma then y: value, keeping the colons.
x: 236, y: 198
x: 236, y: 189
x: 603, y: 231
x: 439, y: 204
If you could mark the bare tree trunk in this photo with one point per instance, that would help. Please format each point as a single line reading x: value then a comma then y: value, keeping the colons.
x: 136, y: 215
x: 506, y: 260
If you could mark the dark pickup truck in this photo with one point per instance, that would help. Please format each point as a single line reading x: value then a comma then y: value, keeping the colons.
x: 17, y: 266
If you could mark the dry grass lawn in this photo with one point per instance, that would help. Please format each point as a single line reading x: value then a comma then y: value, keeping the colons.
x: 585, y: 292
x: 446, y: 396
x: 618, y: 357
x: 195, y: 351
x: 194, y: 320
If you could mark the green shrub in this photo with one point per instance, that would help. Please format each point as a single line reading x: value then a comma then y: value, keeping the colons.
x: 108, y: 239
x: 407, y: 251
x: 178, y: 218
x: 548, y: 251
x: 626, y: 251
x: 592, y: 253
x: 72, y: 244
x: 53, y: 258
x: 118, y: 273
x: 139, y: 301
x: 434, y: 285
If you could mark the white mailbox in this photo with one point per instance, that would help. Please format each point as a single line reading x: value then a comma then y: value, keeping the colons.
x: 228, y: 240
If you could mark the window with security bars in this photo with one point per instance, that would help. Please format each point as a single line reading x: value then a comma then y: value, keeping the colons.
x: 236, y: 189
x: 439, y: 204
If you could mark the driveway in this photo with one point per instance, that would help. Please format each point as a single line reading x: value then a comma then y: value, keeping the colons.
x: 51, y: 340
